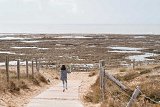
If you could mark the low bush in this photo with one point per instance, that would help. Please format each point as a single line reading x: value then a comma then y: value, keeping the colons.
x: 23, y: 85
x: 145, y: 71
x: 129, y: 76
x: 93, y: 73
x: 123, y: 70
x: 13, y: 88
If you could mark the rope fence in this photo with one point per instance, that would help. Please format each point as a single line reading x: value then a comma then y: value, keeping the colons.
x: 105, y: 76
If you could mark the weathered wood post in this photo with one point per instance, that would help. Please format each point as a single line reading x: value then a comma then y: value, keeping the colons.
x: 134, y: 96
x: 104, y: 82
x: 134, y: 64
x: 27, y: 68
x: 101, y: 77
x: 109, y: 76
x: 70, y: 67
x: 32, y: 69
x: 47, y: 64
x: 18, y: 69
x: 7, y: 68
x: 37, y: 65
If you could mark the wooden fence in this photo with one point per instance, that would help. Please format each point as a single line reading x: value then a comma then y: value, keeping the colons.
x: 34, y: 64
x: 81, y: 67
x: 103, y: 75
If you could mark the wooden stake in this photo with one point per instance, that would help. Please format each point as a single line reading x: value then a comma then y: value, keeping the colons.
x: 36, y: 65
x: 123, y: 87
x: 32, y: 69
x: 134, y: 96
x: 27, y: 68
x: 7, y: 68
x: 134, y: 64
x: 101, y: 77
x: 18, y: 69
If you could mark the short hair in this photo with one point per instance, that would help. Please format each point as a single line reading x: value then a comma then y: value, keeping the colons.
x: 63, y: 67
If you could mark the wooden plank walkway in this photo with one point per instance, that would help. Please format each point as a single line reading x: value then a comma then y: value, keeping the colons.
x: 55, y: 97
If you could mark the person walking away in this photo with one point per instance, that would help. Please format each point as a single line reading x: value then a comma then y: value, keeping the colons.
x: 64, y: 77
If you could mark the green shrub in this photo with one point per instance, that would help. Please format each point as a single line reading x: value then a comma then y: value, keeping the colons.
x: 123, y: 70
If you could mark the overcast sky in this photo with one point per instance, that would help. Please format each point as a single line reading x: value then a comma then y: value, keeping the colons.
x: 80, y: 11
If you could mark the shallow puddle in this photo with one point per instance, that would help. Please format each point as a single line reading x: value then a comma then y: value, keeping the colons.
x: 24, y: 47
x: 13, y: 38
x: 7, y: 52
x: 31, y: 41
x: 13, y: 63
x: 133, y: 50
x: 138, y: 37
x: 69, y: 37
x: 141, y: 57
x: 125, y: 49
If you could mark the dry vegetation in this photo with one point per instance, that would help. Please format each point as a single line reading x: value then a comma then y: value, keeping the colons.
x: 93, y: 73
x: 93, y: 96
x: 148, y: 78
x: 16, y: 92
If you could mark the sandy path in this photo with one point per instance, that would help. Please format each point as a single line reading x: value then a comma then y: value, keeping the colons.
x: 78, y: 84
x: 55, y: 97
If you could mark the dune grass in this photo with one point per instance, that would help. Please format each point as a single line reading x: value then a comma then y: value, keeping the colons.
x: 115, y: 97
x: 14, y: 85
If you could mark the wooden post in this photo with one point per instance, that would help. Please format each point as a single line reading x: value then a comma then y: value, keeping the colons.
x: 134, y: 96
x: 37, y: 65
x: 101, y: 77
x: 123, y: 87
x: 27, y: 68
x: 104, y: 83
x: 7, y: 68
x: 18, y: 69
x: 102, y: 88
x: 134, y: 64
x: 70, y: 67
x: 32, y: 69
x: 101, y: 65
x: 47, y: 64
